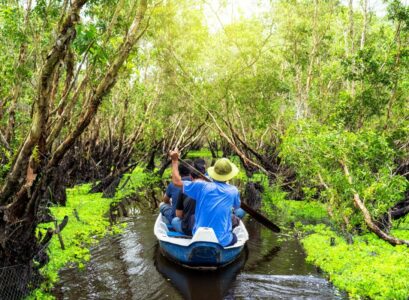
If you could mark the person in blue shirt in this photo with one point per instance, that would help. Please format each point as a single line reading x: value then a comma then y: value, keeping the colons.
x: 186, y: 206
x: 168, y: 206
x: 214, y: 200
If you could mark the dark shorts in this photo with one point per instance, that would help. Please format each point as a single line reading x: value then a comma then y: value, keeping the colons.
x: 233, y: 241
x: 188, y: 227
x: 235, y: 221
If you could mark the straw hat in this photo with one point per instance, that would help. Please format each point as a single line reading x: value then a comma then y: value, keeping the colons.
x: 223, y: 170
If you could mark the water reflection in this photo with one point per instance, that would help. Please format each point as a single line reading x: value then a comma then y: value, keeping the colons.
x: 129, y: 266
x: 197, y: 285
x: 260, y: 286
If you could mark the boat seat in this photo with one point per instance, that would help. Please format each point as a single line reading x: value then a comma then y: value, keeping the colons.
x: 176, y: 234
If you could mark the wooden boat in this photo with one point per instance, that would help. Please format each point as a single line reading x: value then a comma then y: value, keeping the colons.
x: 202, y: 250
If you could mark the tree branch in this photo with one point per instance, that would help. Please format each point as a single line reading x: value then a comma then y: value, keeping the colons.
x: 367, y: 216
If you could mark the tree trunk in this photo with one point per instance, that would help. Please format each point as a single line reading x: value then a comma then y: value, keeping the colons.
x: 25, y: 187
x: 15, y: 178
x: 368, y: 218
x: 253, y: 194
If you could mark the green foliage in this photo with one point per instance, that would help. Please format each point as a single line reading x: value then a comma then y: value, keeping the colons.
x: 276, y: 205
x: 4, y: 168
x: 372, y: 96
x: 202, y: 153
x: 134, y: 181
x: 369, y: 267
x: 11, y: 22
x: 77, y: 235
x: 398, y: 11
x: 297, y: 76
x: 80, y: 234
x: 318, y: 153
x: 87, y: 40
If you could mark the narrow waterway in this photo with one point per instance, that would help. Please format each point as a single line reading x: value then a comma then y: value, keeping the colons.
x: 129, y: 266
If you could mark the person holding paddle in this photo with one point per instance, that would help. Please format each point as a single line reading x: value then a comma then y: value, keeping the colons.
x: 186, y: 206
x: 168, y: 206
x: 214, y: 199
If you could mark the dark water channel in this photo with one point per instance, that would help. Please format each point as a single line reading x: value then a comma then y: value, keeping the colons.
x: 129, y: 266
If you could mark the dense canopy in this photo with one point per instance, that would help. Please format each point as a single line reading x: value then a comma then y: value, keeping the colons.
x: 312, y: 94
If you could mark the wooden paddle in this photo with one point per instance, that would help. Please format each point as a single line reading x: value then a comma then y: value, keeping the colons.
x: 256, y: 215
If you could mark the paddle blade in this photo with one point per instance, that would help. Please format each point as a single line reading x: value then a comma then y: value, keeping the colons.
x: 260, y: 218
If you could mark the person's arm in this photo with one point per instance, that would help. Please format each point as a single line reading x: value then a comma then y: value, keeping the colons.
x: 167, y: 195
x: 191, y: 189
x: 176, y: 178
x: 165, y: 198
x: 179, y: 213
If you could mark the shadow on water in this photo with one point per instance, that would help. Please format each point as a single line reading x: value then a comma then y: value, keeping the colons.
x: 198, y: 285
x: 130, y: 266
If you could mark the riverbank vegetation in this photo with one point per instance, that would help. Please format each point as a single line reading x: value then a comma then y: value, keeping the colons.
x: 91, y: 217
x: 362, y: 265
x: 368, y: 267
x: 311, y: 94
x: 87, y: 223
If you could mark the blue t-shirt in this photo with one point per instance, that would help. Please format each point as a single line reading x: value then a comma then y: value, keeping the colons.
x: 214, y: 203
x: 173, y: 192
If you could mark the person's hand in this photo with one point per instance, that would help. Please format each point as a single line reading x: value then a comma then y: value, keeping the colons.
x: 174, y: 155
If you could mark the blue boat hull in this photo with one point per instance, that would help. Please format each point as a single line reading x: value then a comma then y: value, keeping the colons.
x: 200, y: 254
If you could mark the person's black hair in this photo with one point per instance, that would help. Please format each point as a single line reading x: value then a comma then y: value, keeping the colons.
x: 184, y: 169
x: 200, y: 165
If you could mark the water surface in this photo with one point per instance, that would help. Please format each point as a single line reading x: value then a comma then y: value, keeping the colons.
x: 129, y: 266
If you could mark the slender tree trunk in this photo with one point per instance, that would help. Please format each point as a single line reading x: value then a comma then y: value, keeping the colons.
x: 17, y: 88
x: 397, y: 75
x: 365, y: 24
x: 105, y: 85
x: 351, y: 42
x: 23, y: 191
x: 15, y: 179
x: 20, y: 194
